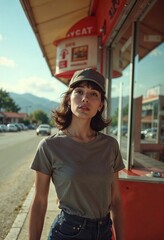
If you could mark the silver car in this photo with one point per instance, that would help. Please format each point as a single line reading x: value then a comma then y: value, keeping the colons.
x: 11, y: 127
x: 3, y: 128
x: 43, y: 129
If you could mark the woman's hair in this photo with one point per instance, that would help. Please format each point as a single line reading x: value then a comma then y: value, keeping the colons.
x: 63, y: 114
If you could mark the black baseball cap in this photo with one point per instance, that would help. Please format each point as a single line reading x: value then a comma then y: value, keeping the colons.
x: 88, y: 74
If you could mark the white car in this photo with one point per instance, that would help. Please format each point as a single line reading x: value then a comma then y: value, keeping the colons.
x: 152, y: 133
x: 11, y: 127
x: 149, y: 132
x: 43, y: 129
x: 3, y: 128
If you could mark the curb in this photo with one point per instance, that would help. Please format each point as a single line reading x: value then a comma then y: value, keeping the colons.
x: 21, y: 217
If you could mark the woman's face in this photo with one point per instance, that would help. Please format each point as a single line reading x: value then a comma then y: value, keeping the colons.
x: 85, y: 101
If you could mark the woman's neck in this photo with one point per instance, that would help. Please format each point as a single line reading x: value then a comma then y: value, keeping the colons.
x: 80, y: 132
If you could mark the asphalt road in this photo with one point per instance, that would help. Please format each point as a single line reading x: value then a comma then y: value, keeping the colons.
x: 16, y: 179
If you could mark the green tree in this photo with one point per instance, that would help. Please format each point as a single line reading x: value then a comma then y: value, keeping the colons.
x: 7, y: 103
x: 39, y: 116
x: 115, y: 116
x: 114, y: 119
x: 125, y: 110
x: 52, y: 122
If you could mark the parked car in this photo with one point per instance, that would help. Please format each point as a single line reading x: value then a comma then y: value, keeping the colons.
x: 142, y: 136
x: 31, y: 126
x: 23, y: 126
x: 152, y: 133
x: 149, y: 132
x: 11, y: 127
x: 145, y: 131
x: 124, y: 130
x: 18, y: 126
x: 3, y: 128
x: 43, y: 129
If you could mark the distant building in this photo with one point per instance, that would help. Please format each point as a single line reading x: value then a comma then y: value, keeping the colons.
x: 11, y: 117
x: 153, y: 109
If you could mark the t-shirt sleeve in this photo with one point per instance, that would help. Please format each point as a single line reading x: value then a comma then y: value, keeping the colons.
x: 42, y: 160
x: 118, y: 162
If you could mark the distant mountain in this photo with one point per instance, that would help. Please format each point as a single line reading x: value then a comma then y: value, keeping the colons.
x: 30, y: 103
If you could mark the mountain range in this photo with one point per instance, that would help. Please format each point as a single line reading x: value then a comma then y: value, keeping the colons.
x: 29, y: 103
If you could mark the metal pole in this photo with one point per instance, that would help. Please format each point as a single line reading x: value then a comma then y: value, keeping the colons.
x: 109, y: 82
x: 99, y: 54
x: 130, y: 140
x: 120, y: 116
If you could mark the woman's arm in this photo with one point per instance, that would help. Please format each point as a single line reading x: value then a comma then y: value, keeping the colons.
x: 116, y: 210
x: 39, y: 206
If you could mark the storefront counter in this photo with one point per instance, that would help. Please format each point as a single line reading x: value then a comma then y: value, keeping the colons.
x: 143, y: 204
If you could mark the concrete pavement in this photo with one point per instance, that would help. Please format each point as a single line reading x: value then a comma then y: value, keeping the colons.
x: 19, y: 230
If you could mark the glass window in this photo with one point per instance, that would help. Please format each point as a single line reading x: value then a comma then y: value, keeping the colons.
x: 148, y: 96
x: 149, y: 82
x: 120, y: 90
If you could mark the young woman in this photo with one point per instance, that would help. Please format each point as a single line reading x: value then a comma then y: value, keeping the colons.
x: 83, y: 164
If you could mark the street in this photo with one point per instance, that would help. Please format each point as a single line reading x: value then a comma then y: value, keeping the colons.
x: 16, y: 179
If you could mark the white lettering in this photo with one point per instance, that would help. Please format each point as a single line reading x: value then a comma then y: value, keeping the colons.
x: 89, y: 29
x: 77, y: 32
x: 70, y: 34
x: 84, y: 31
x: 80, y: 32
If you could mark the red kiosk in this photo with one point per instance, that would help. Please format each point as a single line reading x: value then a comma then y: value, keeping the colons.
x: 120, y: 39
x: 85, y: 45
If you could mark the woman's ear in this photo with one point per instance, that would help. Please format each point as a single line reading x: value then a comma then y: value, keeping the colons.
x: 100, y: 107
x: 69, y: 102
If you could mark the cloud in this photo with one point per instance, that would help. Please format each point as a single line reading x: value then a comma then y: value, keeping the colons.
x: 4, y: 61
x: 126, y: 73
x: 1, y: 37
x: 120, y: 89
x: 114, y: 87
x: 35, y: 84
x: 50, y: 89
x: 156, y: 53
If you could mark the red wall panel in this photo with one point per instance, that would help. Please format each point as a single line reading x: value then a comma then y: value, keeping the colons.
x: 143, y: 204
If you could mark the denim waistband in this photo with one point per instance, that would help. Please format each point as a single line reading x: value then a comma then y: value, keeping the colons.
x: 101, y: 221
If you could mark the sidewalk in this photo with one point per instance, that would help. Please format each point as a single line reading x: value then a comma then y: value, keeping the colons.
x: 19, y: 230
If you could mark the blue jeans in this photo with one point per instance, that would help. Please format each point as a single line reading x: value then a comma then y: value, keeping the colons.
x: 70, y: 227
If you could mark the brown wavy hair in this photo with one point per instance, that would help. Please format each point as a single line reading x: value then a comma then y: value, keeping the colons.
x: 63, y: 114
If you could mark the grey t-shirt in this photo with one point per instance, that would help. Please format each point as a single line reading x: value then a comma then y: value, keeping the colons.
x: 81, y: 172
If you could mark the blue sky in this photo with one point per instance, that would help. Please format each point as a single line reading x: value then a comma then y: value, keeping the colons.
x: 22, y: 66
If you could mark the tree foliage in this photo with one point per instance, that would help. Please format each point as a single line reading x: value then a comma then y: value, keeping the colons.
x: 39, y: 117
x: 7, y: 104
x: 115, y: 116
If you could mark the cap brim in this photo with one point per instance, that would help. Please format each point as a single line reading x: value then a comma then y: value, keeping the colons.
x: 86, y: 79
